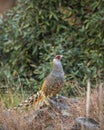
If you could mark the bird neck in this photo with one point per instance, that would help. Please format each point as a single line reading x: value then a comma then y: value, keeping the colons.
x: 57, y: 67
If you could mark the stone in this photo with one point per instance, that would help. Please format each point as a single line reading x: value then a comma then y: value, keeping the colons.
x: 83, y: 123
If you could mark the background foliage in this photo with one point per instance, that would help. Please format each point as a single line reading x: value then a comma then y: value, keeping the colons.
x: 33, y: 32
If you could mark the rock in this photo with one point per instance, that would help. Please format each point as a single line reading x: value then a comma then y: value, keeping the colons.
x: 65, y: 113
x: 82, y: 123
x: 2, y: 127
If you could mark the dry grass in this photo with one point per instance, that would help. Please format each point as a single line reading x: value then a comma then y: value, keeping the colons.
x: 55, y: 119
x: 44, y: 119
x: 10, y: 98
x: 97, y: 105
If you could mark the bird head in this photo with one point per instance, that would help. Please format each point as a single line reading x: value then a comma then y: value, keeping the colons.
x: 57, y: 58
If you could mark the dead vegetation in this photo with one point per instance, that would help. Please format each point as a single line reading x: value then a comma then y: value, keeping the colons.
x: 59, y: 116
x: 47, y: 118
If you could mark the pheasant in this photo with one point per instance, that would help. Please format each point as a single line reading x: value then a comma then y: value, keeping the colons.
x: 51, y: 86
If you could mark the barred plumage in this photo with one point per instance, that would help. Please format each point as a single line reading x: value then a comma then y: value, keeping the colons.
x: 54, y: 81
x: 51, y: 86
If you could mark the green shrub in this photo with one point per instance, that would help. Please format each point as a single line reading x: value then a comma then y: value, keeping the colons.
x: 33, y: 32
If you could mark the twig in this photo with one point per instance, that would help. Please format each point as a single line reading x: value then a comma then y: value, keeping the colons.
x: 88, y: 98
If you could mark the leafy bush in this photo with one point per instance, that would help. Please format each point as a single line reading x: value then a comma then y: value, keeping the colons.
x: 33, y: 32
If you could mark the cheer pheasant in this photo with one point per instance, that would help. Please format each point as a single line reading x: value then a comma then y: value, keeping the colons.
x: 51, y: 86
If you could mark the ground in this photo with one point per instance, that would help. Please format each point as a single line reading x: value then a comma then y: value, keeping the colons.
x: 60, y: 115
